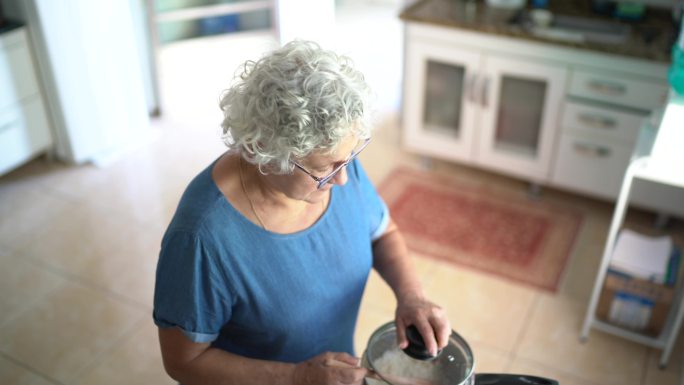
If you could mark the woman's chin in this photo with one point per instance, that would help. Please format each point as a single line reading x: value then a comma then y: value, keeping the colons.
x: 318, y: 195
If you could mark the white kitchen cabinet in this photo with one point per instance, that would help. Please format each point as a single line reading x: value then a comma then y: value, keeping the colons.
x: 519, y: 106
x: 595, y: 147
x: 24, y: 129
x: 590, y: 165
x: 494, y: 111
x: 440, y: 105
x: 548, y: 114
x: 600, y: 125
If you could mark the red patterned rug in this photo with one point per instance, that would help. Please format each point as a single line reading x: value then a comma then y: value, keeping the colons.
x: 488, y: 229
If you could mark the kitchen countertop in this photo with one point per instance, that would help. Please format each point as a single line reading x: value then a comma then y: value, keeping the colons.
x: 650, y: 39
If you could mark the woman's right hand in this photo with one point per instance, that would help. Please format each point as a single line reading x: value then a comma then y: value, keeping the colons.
x: 329, y: 369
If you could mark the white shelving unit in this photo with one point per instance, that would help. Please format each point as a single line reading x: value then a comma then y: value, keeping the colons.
x: 196, y: 13
x: 662, y: 166
x: 213, y: 10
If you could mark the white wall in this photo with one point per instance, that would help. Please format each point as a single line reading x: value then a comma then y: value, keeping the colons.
x: 91, y: 71
x: 306, y: 19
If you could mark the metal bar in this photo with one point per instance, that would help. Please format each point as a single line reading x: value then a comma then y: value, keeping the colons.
x: 653, y: 342
x: 621, y: 207
x: 213, y: 10
x: 154, y: 56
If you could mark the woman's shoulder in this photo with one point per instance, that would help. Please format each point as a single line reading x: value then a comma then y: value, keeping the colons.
x: 356, y: 173
x: 354, y: 169
x: 199, y: 200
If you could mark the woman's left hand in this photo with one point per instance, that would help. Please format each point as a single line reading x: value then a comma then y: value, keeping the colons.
x: 430, y: 320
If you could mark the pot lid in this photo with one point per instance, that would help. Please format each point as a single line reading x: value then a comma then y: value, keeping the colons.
x: 453, y: 365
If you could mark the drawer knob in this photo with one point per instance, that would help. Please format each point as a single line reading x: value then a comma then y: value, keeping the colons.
x: 598, y: 121
x: 591, y: 150
x: 607, y: 87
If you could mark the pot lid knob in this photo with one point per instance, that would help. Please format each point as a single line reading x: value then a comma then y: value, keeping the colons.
x: 416, y: 347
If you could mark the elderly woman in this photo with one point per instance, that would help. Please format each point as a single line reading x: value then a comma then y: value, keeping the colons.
x: 264, y: 264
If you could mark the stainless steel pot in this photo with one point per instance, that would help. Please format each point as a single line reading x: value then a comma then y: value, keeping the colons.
x: 455, y: 365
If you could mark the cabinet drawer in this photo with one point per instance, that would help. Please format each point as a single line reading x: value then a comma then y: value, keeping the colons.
x: 592, y: 166
x: 608, y: 88
x: 607, y: 123
x: 17, y: 75
x: 24, y: 132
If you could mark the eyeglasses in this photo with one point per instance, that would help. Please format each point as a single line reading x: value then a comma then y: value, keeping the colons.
x: 322, y: 181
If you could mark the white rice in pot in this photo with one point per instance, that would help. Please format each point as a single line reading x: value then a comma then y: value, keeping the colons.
x: 396, y: 363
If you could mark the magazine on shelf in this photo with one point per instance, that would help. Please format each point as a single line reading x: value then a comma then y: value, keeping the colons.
x: 645, y: 257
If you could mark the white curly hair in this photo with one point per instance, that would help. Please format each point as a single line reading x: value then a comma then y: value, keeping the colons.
x: 293, y: 101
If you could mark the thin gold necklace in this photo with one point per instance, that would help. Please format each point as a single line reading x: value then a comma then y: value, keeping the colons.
x: 251, y: 204
x: 244, y: 190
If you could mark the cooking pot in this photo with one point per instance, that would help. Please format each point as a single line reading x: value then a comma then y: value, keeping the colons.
x: 454, y: 365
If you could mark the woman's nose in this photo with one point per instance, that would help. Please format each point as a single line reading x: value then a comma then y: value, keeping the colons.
x: 341, y: 177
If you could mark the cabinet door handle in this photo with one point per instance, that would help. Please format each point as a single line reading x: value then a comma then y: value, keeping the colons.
x: 598, y: 121
x: 607, y: 87
x: 591, y: 150
x: 485, y: 92
x: 470, y: 81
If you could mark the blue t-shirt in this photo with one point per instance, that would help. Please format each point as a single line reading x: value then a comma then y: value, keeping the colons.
x: 283, y: 297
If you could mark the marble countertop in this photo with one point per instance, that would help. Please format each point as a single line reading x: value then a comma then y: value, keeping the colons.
x: 650, y: 39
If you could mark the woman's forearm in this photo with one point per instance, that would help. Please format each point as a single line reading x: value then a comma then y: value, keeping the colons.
x: 193, y: 363
x: 199, y: 364
x: 392, y: 261
x: 218, y: 367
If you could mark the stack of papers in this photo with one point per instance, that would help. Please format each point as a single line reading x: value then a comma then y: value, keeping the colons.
x: 644, y: 257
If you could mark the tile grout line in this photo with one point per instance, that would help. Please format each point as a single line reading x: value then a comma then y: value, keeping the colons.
x: 30, y: 304
x: 574, y: 248
x: 644, y: 367
x: 526, y: 324
x: 31, y: 369
x: 75, y: 279
x: 116, y: 342
x: 564, y: 372
x: 513, y: 354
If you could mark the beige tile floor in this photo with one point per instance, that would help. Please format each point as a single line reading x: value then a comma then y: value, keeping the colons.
x: 78, y: 245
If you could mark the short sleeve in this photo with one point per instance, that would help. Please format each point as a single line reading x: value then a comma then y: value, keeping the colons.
x: 374, y: 205
x: 188, y: 293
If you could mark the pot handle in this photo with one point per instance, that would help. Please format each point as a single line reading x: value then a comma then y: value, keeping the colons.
x: 511, y: 379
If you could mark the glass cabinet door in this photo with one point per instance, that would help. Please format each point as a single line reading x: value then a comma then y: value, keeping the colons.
x: 438, y: 111
x: 520, y: 105
x: 443, y: 102
x: 519, y: 115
